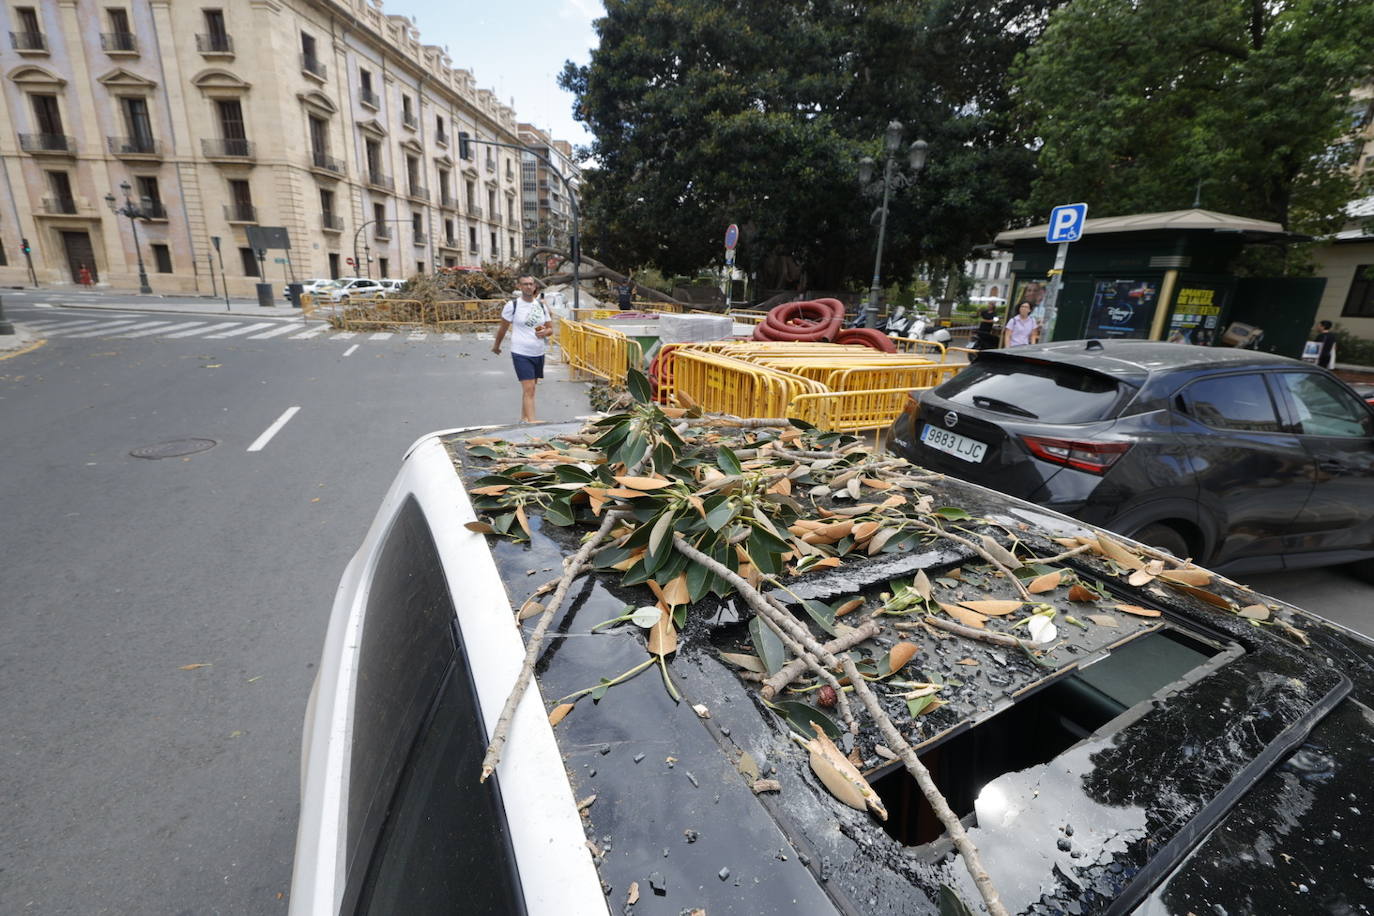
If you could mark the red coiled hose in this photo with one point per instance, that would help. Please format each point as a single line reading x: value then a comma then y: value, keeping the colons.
x: 868, y: 337
x: 817, y: 319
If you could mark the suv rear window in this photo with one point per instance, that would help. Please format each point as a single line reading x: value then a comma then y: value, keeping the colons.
x: 1052, y: 392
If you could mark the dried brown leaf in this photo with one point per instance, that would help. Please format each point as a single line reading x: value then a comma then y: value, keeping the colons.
x: 663, y: 635
x: 675, y: 592
x: 1255, y: 612
x: 876, y: 543
x: 493, y: 490
x: 993, y: 608
x: 965, y: 616
x: 1205, y: 596
x: 966, y: 661
x: 999, y: 553
x: 1191, y: 576
x: 1110, y: 548
x: 840, y: 777
x: 193, y: 666
x: 529, y: 609
x: 559, y: 712
x: 1046, y: 583
x: 849, y: 607
x: 1082, y: 593
x: 899, y: 655
x: 1103, y: 620
x: 921, y: 584
x: 523, y: 520
x: 479, y: 527
x: 1136, y: 610
x: 633, y: 897
x: 747, y: 662
x: 642, y: 483
x: 826, y: 563
x: 875, y: 483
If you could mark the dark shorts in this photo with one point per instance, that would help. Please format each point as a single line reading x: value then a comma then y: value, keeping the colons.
x: 528, y: 367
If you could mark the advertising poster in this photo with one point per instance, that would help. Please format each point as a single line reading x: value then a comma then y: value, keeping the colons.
x: 1123, y: 308
x: 1197, y: 310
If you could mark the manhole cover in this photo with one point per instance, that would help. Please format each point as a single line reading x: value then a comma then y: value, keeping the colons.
x: 174, y: 449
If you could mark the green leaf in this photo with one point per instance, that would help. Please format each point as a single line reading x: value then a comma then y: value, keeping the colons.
x: 661, y: 530
x: 639, y: 386
x: 646, y: 616
x: 951, y: 904
x: 613, y: 436
x: 481, y: 451
x: 953, y: 513
x: 915, y: 706
x: 799, y: 717
x: 571, y: 473
x: 822, y: 613
x: 502, y: 523
x: 560, y: 512
x: 633, y: 449
x: 608, y: 556
x: 698, y: 581
x: 767, y: 645
x: 600, y: 691
x: 765, y: 559
x: 799, y: 424
x: 664, y: 456
x: 719, y: 515
x: 727, y: 462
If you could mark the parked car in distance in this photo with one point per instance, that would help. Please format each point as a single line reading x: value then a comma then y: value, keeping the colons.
x: 390, y: 287
x: 314, y: 286
x: 1172, y: 749
x: 1245, y: 461
x: 346, y: 288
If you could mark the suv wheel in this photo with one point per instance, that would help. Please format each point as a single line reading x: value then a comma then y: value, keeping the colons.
x: 1165, y: 538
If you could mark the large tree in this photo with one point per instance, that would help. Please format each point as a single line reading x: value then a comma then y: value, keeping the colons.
x: 707, y: 112
x: 1136, y: 107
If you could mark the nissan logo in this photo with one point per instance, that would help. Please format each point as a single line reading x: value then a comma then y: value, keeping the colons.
x: 951, y: 419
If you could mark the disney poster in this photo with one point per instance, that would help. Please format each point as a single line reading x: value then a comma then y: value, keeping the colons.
x: 1123, y: 308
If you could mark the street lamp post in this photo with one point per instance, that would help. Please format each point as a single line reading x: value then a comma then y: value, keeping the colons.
x: 134, y: 213
x: 892, y: 178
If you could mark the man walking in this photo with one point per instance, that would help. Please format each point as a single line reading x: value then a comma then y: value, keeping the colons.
x: 1326, y: 343
x: 625, y: 293
x: 532, y: 326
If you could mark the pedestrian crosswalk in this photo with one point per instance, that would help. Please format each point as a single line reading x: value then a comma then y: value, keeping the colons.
x: 180, y: 327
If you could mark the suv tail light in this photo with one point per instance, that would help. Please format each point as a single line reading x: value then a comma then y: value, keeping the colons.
x: 1093, y: 457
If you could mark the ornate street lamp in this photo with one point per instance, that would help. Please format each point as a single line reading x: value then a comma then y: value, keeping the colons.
x: 134, y: 213
x: 892, y: 177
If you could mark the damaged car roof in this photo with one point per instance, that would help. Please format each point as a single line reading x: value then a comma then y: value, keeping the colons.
x: 1112, y: 728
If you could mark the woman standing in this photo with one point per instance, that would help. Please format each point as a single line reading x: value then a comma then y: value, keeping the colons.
x: 1022, y: 329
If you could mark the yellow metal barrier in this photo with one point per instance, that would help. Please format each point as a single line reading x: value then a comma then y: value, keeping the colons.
x: 722, y: 384
x: 598, y: 351
x: 373, y: 312
x: 458, y: 313
x: 870, y: 378
x: 913, y: 345
x: 850, y: 411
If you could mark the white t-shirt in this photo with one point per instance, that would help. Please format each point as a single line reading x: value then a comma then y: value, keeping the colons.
x: 524, y: 317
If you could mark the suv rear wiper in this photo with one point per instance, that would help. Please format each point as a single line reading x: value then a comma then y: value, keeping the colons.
x: 1002, y: 406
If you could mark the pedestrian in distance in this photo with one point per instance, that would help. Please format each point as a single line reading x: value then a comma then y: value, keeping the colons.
x: 1326, y: 342
x: 1022, y: 329
x: 985, y: 337
x: 625, y: 293
x: 530, y: 325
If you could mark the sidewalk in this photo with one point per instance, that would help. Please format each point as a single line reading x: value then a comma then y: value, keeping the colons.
x: 116, y: 300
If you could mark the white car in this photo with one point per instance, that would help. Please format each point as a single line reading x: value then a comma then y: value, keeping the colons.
x: 346, y: 288
x: 391, y: 287
x: 315, y: 286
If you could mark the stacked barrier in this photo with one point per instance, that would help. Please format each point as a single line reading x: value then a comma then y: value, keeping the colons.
x: 598, y: 351
x: 724, y: 384
x: 362, y: 313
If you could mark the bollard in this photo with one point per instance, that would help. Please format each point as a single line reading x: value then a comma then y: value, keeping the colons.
x: 265, y: 295
x: 5, y: 326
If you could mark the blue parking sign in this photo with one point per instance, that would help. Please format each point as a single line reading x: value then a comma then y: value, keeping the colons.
x: 1066, y: 223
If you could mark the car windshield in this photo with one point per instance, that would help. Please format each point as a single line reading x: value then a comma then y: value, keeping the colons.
x: 1050, y: 392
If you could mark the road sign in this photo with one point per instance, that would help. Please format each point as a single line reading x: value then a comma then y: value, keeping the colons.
x: 1066, y: 223
x: 350, y: 262
x: 279, y: 260
x: 731, y: 237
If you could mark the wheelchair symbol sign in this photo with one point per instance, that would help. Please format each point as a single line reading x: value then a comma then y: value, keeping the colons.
x: 1066, y: 223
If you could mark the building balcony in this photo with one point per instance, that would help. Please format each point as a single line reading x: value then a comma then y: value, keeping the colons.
x: 119, y: 43
x: 29, y: 42
x: 450, y: 243
x: 381, y: 181
x: 48, y: 144
x: 325, y: 162
x: 447, y: 202
x: 232, y: 148
x: 441, y: 138
x: 491, y: 166
x: 408, y: 120
x: 331, y: 223
x: 419, y: 238
x: 215, y: 45
x: 61, y: 205
x: 474, y: 211
x: 134, y: 147
x: 154, y: 210
x: 473, y: 249
x: 370, y: 99
x: 313, y: 66
x: 241, y: 213
x: 381, y: 232
x: 419, y: 192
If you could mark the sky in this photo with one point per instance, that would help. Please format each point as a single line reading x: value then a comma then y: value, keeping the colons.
x: 516, y: 48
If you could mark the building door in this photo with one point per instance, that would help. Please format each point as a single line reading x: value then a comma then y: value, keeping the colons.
x: 79, y: 254
x: 333, y: 265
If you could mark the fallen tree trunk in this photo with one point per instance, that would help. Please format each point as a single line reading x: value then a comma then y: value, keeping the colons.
x: 590, y: 269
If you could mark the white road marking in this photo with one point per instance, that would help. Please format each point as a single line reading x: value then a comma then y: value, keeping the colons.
x: 417, y: 335
x: 272, y: 430
x: 284, y: 329
x: 193, y: 333
x: 175, y: 327
x: 349, y: 351
x: 453, y: 336
x: 346, y: 335
x: 241, y: 330
x: 112, y: 329
x: 313, y: 332
x: 42, y: 305
x: 62, y: 329
x: 380, y: 335
x: 485, y: 335
x: 45, y: 323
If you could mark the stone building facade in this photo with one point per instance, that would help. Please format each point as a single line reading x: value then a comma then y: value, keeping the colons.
x: 547, y: 205
x: 329, y: 118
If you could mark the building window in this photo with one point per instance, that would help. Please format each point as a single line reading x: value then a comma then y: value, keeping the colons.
x: 367, y: 96
x: 140, y: 126
x: 407, y: 112
x: 492, y: 213
x: 30, y: 34
x: 384, y: 265
x: 1359, y: 302
x: 464, y: 147
x: 216, y: 38
x: 415, y: 223
x: 379, y: 217
x: 150, y: 196
x: 4, y: 261
x: 495, y: 247
x: 333, y: 265
x: 327, y: 204
x: 511, y: 242
x: 162, y: 257
x: 449, y: 240
x: 472, y: 240
x: 47, y: 115
x: 121, y: 36
x: 250, y: 263
x: 419, y: 267
x: 440, y: 136
x: 241, y: 197
x: 231, y: 127
x: 310, y: 61
x: 60, y: 186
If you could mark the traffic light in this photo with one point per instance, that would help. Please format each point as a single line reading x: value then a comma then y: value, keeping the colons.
x: 464, y: 146
x: 24, y: 244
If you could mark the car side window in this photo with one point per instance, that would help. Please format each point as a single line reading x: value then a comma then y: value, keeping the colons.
x: 1239, y: 402
x: 1324, y: 408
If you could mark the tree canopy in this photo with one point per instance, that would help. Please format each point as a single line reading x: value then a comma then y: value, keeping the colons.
x: 706, y: 113
x: 1133, y: 104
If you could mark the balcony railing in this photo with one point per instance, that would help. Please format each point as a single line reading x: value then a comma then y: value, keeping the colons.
x: 491, y: 166
x: 447, y: 202
x: 47, y: 143
x: 419, y: 192
x: 474, y: 211
x: 473, y: 249
x: 331, y: 223
x: 241, y: 213
x: 215, y: 44
x: 450, y: 242
x: 408, y: 119
x: 119, y: 42
x: 313, y: 65
x: 134, y: 146
x: 382, y: 232
x: 226, y: 148
x: 369, y: 98
x: 419, y: 237
x: 381, y: 180
x: 441, y: 138
x: 155, y: 209
x: 322, y: 161
x: 59, y: 205
x: 28, y: 41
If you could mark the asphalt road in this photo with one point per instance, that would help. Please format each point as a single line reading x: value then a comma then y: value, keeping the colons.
x: 160, y: 620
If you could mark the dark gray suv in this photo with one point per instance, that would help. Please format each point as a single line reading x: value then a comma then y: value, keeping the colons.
x: 1245, y: 461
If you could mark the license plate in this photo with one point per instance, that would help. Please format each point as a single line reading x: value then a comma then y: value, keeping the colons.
x: 942, y: 440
